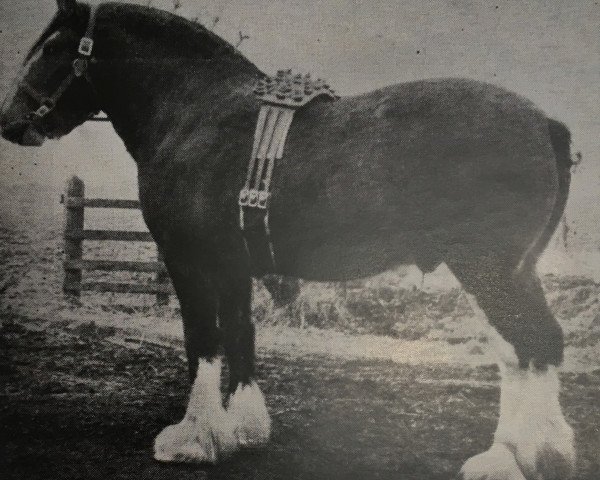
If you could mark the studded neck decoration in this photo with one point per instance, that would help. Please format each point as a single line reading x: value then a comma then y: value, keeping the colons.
x: 289, y: 90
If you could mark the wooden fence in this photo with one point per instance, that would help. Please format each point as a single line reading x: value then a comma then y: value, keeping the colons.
x: 74, y: 263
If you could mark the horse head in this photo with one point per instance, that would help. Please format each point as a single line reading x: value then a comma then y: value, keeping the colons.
x: 52, y: 94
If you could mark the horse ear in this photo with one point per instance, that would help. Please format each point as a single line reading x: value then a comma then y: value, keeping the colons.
x: 66, y: 6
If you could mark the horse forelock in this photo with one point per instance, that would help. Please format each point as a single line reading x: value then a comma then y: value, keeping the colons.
x: 53, y: 26
x: 77, y: 20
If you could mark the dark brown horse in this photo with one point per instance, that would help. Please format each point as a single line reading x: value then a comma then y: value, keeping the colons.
x: 445, y: 170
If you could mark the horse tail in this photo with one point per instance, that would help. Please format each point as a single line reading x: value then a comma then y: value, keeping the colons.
x: 560, y: 138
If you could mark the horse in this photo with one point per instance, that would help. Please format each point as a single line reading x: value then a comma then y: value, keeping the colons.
x: 446, y: 170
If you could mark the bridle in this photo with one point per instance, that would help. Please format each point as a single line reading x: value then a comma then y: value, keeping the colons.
x: 79, y: 69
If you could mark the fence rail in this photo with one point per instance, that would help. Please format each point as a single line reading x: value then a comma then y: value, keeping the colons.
x: 120, y: 235
x: 74, y: 264
x: 115, y: 266
x: 74, y: 202
x: 120, y: 287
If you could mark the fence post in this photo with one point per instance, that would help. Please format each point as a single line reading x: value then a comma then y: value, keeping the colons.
x: 162, y: 278
x: 74, y: 213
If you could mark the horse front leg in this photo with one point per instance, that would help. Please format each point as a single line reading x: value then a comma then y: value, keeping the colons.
x: 246, y: 406
x: 533, y: 440
x: 205, y: 434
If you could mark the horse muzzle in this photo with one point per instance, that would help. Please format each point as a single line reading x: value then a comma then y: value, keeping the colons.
x: 23, y: 133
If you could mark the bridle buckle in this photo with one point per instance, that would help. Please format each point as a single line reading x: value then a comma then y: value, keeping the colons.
x: 86, y: 45
x: 80, y: 66
x: 43, y: 110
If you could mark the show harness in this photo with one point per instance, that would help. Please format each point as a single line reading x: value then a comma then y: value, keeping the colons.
x: 281, y: 96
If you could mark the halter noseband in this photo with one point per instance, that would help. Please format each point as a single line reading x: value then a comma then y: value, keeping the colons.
x: 79, y: 69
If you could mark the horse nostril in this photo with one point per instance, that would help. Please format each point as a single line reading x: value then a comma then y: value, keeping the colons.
x: 15, y: 132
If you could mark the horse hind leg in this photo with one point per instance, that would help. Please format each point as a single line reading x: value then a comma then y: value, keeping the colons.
x: 206, y: 433
x: 246, y: 407
x: 532, y: 441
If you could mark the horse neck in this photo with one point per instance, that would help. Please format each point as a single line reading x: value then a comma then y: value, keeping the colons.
x: 146, y: 86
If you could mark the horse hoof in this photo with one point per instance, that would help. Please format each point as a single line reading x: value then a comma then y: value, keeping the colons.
x: 548, y: 461
x: 498, y: 463
x: 248, y: 412
x: 543, y: 444
x: 196, y: 440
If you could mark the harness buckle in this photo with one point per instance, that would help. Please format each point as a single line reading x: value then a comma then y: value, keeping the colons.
x: 263, y: 198
x: 44, y: 109
x: 86, y: 44
x: 243, y: 198
x: 80, y: 66
x: 253, y: 198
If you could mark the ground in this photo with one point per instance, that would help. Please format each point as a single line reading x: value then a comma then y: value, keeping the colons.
x: 388, y: 379
x: 80, y: 402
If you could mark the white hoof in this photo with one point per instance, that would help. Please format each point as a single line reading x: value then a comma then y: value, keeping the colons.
x: 249, y: 414
x: 535, y: 427
x: 206, y: 433
x: 195, y: 441
x: 549, y: 457
x: 498, y: 463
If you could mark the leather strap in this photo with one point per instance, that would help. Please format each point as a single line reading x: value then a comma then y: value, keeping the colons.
x: 281, y: 96
x: 269, y: 140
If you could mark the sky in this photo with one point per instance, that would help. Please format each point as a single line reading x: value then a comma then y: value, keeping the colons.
x: 546, y: 50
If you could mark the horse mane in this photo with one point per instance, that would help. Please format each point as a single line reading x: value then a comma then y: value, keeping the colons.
x: 189, y: 38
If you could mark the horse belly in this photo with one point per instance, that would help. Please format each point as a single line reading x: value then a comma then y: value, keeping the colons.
x: 348, y: 236
x: 344, y: 259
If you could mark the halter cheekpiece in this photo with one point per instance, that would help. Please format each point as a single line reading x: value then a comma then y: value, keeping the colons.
x: 79, y: 69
